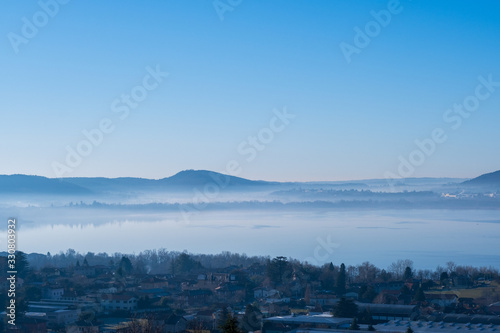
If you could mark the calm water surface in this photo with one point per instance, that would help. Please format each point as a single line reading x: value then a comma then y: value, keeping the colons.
x: 428, y: 237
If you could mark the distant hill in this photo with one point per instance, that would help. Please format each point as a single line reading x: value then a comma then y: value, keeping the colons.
x: 184, y: 180
x: 490, y: 180
x: 38, y: 185
x: 101, y: 184
x: 192, y: 178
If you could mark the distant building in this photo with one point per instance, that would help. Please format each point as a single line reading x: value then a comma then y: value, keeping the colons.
x: 351, y: 295
x: 206, y: 318
x: 433, y: 327
x: 88, y: 271
x: 31, y: 325
x: 386, y: 312
x: 63, y: 317
x: 53, y: 293
x: 393, y: 285
x: 154, y: 283
x: 324, y: 299
x: 388, y: 297
x: 494, y: 308
x: 442, y: 300
x: 174, y: 324
x: 83, y: 326
x: 283, y: 324
x: 195, y: 297
x: 108, y: 290
x: 5, y: 284
x: 230, y: 291
x: 264, y: 292
x: 115, y: 302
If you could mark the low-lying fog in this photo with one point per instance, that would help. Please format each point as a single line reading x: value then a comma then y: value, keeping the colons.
x: 427, y: 221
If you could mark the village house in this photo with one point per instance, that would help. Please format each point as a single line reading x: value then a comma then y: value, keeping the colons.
x: 442, y: 300
x: 87, y: 271
x: 173, y: 324
x: 262, y: 292
x: 388, y: 297
x: 194, y: 297
x: 83, y: 326
x: 323, y: 299
x: 392, y: 285
x: 230, y: 292
x: 206, y: 319
x: 114, y: 302
x: 62, y: 317
x: 31, y: 325
x: 293, y: 323
x: 386, y: 312
x: 494, y: 308
x: 53, y: 292
x: 153, y: 283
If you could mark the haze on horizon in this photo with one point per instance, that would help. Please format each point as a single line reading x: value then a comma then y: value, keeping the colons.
x: 233, y: 78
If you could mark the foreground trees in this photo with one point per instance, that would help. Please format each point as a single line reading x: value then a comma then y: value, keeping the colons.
x: 346, y: 308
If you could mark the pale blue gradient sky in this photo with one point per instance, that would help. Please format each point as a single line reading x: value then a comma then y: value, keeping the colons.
x: 352, y: 121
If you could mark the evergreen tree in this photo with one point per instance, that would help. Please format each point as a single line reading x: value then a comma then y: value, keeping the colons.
x: 22, y: 265
x: 124, y: 267
x: 346, y: 308
x: 224, y: 315
x: 307, y: 295
x: 405, y: 290
x: 327, y: 279
x: 185, y: 264
x: 408, y: 273
x: 276, y: 268
x: 230, y: 325
x: 354, y: 325
x: 172, y: 267
x: 419, y: 295
x: 384, y: 275
x: 365, y: 317
x: 341, y: 281
x: 143, y: 302
x: 251, y: 320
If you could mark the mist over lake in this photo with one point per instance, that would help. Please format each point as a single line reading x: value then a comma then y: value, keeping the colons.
x: 430, y: 221
x: 428, y: 237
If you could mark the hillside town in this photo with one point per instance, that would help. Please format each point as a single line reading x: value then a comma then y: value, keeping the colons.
x: 76, y: 293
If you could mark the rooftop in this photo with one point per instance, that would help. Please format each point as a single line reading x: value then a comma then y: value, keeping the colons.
x: 430, y: 326
x: 324, y: 318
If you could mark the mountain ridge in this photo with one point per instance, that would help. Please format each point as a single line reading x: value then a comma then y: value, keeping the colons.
x: 491, y: 179
x: 183, y: 180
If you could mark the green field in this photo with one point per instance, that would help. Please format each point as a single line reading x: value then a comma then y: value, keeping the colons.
x: 490, y: 292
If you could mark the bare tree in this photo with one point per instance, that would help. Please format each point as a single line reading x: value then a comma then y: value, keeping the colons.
x: 451, y: 267
x: 398, y: 267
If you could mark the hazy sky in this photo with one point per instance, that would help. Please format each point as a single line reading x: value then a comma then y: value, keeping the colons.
x: 362, y: 79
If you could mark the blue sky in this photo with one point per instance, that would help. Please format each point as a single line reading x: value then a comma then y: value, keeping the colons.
x: 352, y: 120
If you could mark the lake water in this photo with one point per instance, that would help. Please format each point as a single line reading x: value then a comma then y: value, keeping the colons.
x: 428, y: 237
